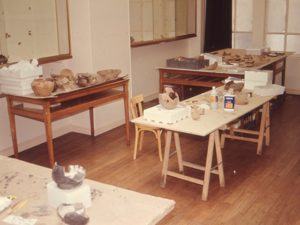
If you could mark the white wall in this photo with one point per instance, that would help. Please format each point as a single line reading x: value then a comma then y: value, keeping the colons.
x: 258, y: 24
x: 145, y: 60
x: 292, y: 81
x: 109, y: 30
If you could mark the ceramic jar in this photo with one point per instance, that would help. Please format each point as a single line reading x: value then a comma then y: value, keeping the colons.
x: 42, y: 87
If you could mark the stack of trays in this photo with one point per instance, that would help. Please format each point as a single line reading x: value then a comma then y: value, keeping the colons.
x: 16, y: 79
x: 269, y: 90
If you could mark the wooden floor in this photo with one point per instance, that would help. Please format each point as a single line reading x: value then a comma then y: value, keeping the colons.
x: 260, y: 190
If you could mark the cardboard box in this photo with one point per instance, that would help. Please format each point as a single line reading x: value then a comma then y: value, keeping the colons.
x: 187, y: 63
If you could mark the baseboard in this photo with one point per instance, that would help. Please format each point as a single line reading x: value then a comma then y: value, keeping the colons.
x: 35, y: 141
x: 293, y: 91
x: 150, y: 97
x: 56, y: 133
x: 84, y: 130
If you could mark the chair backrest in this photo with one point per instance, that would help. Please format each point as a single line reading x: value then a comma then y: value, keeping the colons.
x: 137, y: 106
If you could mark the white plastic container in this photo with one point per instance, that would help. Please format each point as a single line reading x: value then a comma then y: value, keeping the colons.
x: 257, y: 78
x: 166, y: 116
x: 57, y: 196
x: 213, y: 99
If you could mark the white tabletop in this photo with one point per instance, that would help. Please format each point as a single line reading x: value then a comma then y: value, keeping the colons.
x: 212, y: 120
x: 111, y: 205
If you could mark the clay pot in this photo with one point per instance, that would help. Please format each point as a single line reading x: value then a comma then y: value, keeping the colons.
x: 42, y: 87
x: 241, y: 98
x: 169, y: 99
x: 110, y: 74
x: 237, y: 87
x: 3, y: 59
x: 196, y: 112
x: 86, y: 79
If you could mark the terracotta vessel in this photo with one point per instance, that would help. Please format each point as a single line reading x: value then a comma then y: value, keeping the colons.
x: 3, y: 59
x: 42, y: 87
x: 169, y: 99
x: 107, y: 75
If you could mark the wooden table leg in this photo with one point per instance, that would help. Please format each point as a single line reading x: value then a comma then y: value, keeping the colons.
x: 219, y: 159
x: 178, y: 151
x: 182, y: 95
x: 166, y: 158
x: 48, y: 128
x: 262, y: 129
x: 126, y: 112
x: 209, y: 157
x: 12, y: 123
x: 267, y: 125
x: 161, y: 85
x: 92, y: 127
x: 283, y: 72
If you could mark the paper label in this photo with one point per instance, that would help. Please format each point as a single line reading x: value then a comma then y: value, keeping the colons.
x: 213, y: 98
x: 18, y: 220
x: 229, y: 102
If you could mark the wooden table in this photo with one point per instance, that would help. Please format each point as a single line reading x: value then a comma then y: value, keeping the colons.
x: 209, y: 125
x: 64, y: 105
x: 209, y: 78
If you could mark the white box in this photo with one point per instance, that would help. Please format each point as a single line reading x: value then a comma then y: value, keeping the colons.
x: 57, y: 196
x: 259, y: 75
x: 166, y: 116
x: 255, y: 78
x: 24, y: 73
x: 213, y: 58
x: 21, y: 83
x: 16, y: 86
x: 250, y: 85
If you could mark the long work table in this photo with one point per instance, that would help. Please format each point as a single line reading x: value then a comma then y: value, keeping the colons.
x: 209, y: 125
x: 66, y: 104
x: 208, y: 78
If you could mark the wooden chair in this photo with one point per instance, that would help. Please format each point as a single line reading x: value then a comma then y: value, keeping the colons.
x: 137, y: 111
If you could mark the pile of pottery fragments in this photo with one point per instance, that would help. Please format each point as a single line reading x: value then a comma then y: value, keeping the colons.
x: 66, y: 81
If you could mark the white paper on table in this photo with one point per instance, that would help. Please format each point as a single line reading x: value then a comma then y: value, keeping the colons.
x: 4, y: 203
x: 18, y: 220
